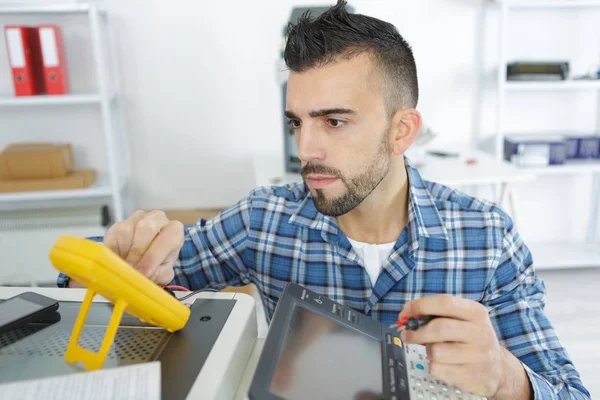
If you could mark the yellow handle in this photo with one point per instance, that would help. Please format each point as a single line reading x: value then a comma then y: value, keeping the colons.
x: 93, y: 361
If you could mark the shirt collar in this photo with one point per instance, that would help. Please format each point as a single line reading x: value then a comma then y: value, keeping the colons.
x: 422, y: 208
x: 424, y: 219
x: 308, y: 215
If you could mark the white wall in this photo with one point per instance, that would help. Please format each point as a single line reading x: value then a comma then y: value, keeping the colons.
x: 199, y: 83
x: 202, y: 74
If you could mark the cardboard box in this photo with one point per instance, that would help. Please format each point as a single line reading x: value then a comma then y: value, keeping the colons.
x: 36, y: 161
x: 191, y: 216
x: 75, y: 180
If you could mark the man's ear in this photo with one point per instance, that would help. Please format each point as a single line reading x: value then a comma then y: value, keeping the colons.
x: 406, y: 124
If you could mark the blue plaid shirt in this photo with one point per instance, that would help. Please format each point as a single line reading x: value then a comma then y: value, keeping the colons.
x: 452, y: 244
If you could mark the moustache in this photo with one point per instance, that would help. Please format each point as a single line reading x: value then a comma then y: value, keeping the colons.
x: 318, y: 169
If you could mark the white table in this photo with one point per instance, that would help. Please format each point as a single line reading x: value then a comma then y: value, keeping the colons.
x: 225, y: 366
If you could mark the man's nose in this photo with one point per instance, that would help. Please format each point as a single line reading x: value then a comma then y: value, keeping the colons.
x: 310, y: 144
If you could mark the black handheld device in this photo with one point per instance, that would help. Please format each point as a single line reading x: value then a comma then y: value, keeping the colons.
x: 24, y: 308
x: 319, y: 349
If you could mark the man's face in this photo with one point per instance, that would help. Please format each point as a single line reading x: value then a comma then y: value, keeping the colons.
x: 342, y: 132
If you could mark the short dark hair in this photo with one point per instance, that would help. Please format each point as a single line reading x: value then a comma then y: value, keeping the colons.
x: 336, y: 34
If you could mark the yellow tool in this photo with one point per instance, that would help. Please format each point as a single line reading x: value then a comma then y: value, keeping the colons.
x: 105, y: 273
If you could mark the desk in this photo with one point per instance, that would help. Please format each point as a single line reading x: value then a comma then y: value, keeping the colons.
x: 457, y: 173
x: 225, y: 365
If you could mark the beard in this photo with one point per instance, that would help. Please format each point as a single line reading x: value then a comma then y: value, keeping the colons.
x: 358, y: 188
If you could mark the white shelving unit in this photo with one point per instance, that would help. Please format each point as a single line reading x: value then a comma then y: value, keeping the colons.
x: 574, y: 167
x: 113, y: 185
x: 101, y: 189
x: 545, y: 5
x: 552, y: 86
x: 551, y: 255
x: 70, y: 99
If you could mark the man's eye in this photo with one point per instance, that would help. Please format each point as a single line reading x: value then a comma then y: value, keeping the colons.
x: 294, y: 123
x: 335, y: 123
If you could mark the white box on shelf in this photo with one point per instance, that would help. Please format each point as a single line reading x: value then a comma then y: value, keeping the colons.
x: 534, y: 150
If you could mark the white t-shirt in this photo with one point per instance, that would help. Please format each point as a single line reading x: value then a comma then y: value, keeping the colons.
x: 372, y: 256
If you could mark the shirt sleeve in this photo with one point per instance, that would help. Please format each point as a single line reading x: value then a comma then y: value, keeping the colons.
x: 214, y: 251
x: 515, y: 298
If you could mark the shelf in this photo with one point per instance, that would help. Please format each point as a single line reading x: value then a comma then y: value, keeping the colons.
x: 549, y: 255
x: 43, y: 100
x: 528, y: 4
x: 553, y: 85
x: 46, y: 9
x: 100, y: 189
x: 572, y: 167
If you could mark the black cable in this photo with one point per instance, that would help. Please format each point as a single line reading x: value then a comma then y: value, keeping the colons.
x: 187, y: 296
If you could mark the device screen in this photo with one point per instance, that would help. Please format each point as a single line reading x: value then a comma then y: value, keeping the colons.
x: 321, y: 359
x: 16, y: 308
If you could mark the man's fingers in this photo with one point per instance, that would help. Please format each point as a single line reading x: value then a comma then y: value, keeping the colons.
x: 146, y: 229
x: 442, y: 330
x: 127, y: 231
x: 445, y: 305
x: 451, y: 353
x: 164, y: 274
x: 453, y: 375
x: 120, y: 235
x: 168, y: 241
x: 110, y: 240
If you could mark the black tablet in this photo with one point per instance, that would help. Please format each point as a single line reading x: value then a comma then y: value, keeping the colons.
x: 319, y: 349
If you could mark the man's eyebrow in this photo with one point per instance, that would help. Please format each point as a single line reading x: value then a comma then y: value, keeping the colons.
x: 328, y: 111
x: 322, y: 113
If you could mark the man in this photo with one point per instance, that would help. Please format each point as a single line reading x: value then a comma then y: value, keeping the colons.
x: 366, y: 230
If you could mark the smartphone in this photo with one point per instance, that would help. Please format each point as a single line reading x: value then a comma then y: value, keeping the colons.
x: 23, y: 308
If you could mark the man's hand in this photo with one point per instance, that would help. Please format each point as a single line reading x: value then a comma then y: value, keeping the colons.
x: 463, y: 349
x: 149, y: 241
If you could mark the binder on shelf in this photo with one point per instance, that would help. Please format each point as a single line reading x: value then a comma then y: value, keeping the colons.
x: 24, y: 57
x: 53, y: 59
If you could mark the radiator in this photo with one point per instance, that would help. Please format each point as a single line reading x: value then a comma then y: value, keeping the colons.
x: 26, y: 238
